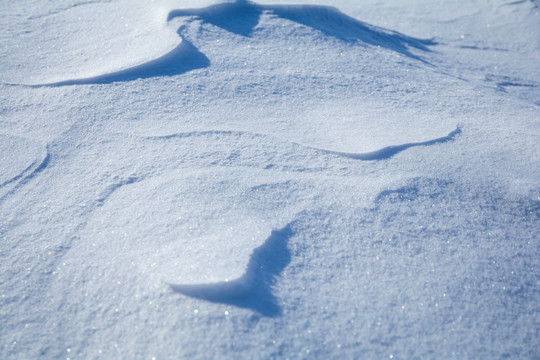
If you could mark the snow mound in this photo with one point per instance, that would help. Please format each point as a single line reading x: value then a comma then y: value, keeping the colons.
x: 231, y: 179
x: 241, y: 17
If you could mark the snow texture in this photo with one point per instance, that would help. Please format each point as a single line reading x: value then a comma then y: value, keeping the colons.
x: 272, y: 179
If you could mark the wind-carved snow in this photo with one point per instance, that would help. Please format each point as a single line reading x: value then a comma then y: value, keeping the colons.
x: 205, y: 215
x: 254, y: 289
x: 241, y: 17
x: 246, y: 25
x: 379, y: 154
x: 294, y: 187
x: 389, y: 151
x: 19, y: 166
x: 185, y: 57
x: 172, y: 207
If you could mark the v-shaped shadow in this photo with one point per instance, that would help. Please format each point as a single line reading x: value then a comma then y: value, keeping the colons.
x: 254, y: 289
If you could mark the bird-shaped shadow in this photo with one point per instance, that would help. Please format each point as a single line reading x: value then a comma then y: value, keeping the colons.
x: 254, y: 289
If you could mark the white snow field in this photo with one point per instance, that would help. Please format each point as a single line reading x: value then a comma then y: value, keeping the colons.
x: 320, y: 179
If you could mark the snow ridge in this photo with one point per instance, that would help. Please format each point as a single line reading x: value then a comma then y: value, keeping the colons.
x: 389, y: 151
x: 269, y: 180
x: 241, y: 17
x: 185, y: 57
x: 27, y: 174
x: 380, y: 154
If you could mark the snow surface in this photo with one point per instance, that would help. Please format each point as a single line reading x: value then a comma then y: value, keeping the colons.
x: 279, y: 179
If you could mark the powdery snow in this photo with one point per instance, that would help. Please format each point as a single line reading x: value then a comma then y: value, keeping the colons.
x: 272, y: 179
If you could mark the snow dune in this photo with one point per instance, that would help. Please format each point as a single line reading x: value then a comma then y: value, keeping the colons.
x: 241, y: 17
x: 200, y: 179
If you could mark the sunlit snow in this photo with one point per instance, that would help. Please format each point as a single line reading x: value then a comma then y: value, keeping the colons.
x: 271, y: 179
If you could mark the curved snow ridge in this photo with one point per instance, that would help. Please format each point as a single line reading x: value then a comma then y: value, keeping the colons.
x: 502, y: 82
x: 253, y: 290
x: 26, y: 178
x: 187, y: 134
x: 114, y: 187
x: 381, y: 154
x: 36, y: 164
x: 389, y: 151
x: 26, y: 174
x: 185, y: 57
x: 241, y: 17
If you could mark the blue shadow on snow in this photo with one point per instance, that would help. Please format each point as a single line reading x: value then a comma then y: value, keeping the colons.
x: 241, y: 17
x: 389, y: 151
x: 185, y: 57
x: 254, y: 289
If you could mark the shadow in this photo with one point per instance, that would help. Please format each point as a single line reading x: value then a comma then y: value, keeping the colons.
x: 415, y: 190
x: 502, y: 82
x: 389, y: 151
x: 28, y: 174
x: 241, y: 17
x: 185, y: 57
x: 254, y: 289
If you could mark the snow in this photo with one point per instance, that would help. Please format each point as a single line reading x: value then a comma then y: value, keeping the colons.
x: 270, y: 179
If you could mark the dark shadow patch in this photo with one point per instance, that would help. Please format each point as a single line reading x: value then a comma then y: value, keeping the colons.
x: 254, y: 289
x: 418, y: 188
x: 241, y: 17
x: 185, y: 57
x: 238, y: 17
